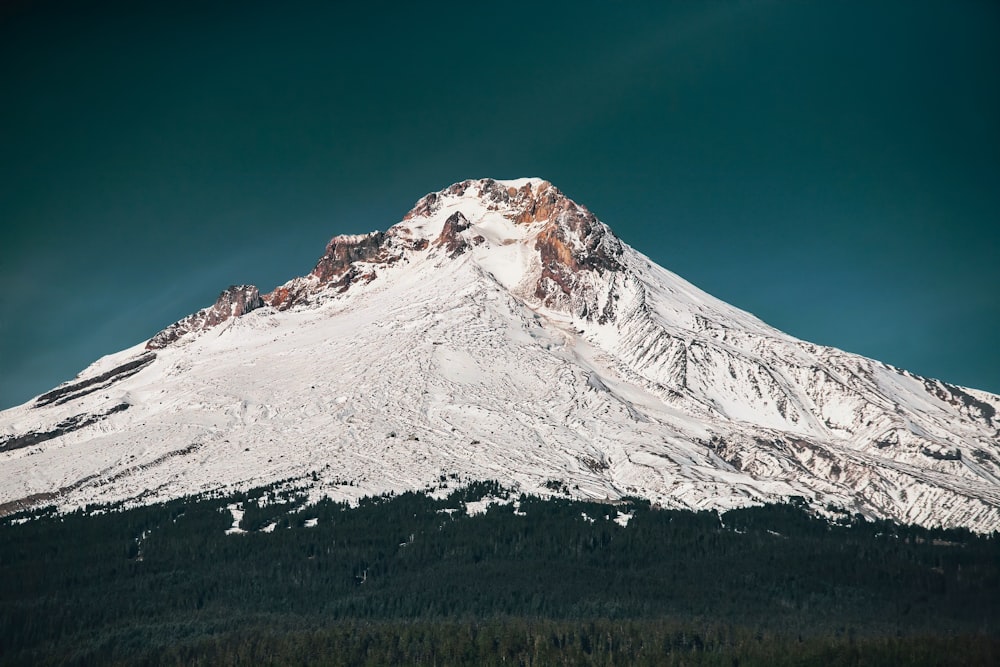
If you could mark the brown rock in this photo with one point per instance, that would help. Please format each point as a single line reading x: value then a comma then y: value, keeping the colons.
x: 450, y: 238
x: 343, y: 251
x: 426, y: 206
x: 234, y: 301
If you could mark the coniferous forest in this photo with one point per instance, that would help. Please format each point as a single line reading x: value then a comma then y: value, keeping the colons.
x: 411, y: 579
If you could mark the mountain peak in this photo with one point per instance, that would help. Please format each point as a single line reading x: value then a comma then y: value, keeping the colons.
x: 522, y: 201
x: 565, y: 237
x: 501, y: 329
x: 525, y: 232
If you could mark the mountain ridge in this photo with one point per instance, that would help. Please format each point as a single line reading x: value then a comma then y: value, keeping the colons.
x: 629, y: 379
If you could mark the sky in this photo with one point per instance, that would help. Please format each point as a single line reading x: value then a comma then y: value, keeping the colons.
x: 831, y: 167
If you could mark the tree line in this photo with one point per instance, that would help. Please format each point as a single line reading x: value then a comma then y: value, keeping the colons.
x: 410, y: 578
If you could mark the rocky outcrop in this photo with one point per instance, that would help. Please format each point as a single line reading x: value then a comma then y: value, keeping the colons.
x: 965, y: 402
x: 337, y: 269
x: 532, y: 202
x: 572, y: 240
x: 293, y: 292
x: 67, y: 425
x: 342, y: 251
x: 234, y: 301
x: 569, y: 240
x: 425, y: 206
x: 450, y: 238
x: 74, y: 390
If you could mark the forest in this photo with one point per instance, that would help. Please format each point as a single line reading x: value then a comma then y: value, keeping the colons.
x: 416, y: 579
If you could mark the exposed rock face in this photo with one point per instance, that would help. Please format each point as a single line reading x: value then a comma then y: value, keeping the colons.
x: 573, y: 241
x: 450, y: 238
x: 569, y: 239
x: 538, y: 201
x: 67, y: 425
x: 968, y: 404
x: 74, y: 390
x: 342, y: 251
x: 285, y: 296
x: 425, y: 206
x: 337, y: 269
x: 234, y: 301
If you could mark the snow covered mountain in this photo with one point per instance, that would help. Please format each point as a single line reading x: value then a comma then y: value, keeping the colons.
x: 500, y: 331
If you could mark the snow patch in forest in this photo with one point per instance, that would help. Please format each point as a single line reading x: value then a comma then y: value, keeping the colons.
x: 237, y: 512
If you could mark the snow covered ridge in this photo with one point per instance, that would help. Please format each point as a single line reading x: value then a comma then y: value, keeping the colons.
x: 501, y: 331
x: 567, y: 237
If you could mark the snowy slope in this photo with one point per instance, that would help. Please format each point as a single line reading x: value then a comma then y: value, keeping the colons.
x: 500, y: 331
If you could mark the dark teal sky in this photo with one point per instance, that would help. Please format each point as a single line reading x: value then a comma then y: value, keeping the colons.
x: 832, y: 167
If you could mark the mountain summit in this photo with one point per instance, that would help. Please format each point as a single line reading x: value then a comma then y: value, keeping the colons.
x: 555, y: 242
x: 501, y: 331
